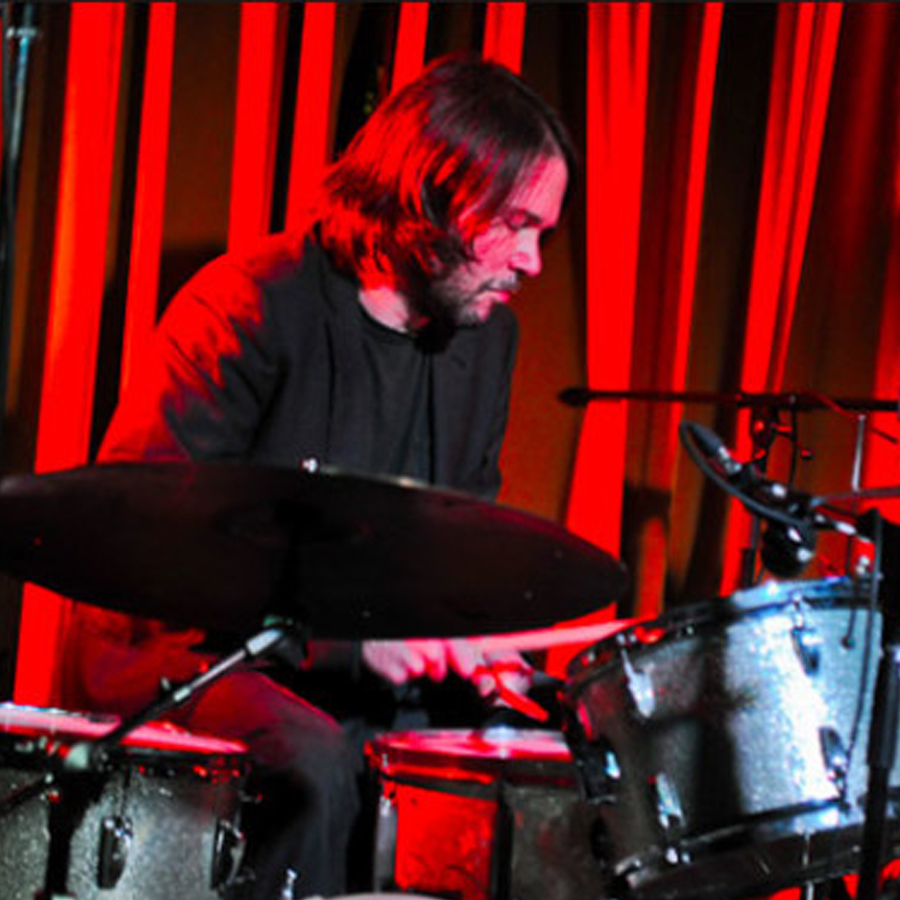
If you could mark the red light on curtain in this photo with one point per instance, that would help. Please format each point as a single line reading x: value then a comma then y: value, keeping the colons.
x: 2, y: 114
x: 696, y: 179
x: 618, y: 42
x: 805, y: 48
x: 409, y: 52
x: 881, y: 463
x: 662, y: 356
x: 310, y: 149
x: 504, y: 34
x: 256, y: 120
x: 617, y: 65
x: 150, y: 190
x: 76, y: 292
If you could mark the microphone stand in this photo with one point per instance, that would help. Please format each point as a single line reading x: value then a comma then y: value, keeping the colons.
x: 763, y: 431
x: 885, y: 708
x: 764, y: 428
x: 89, y: 754
x: 802, y: 401
x: 14, y: 69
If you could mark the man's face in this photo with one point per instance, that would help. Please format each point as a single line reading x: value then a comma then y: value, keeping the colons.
x: 507, y: 249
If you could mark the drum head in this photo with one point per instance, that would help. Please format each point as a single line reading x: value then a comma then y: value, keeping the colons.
x: 500, y: 743
x: 483, y: 755
x: 62, y: 727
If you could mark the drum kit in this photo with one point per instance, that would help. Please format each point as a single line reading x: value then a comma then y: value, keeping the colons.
x: 724, y: 750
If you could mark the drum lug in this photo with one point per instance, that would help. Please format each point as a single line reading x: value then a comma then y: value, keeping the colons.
x: 289, y: 888
x: 599, y: 772
x: 808, y: 645
x: 640, y: 689
x: 668, y: 807
x: 837, y: 761
x: 227, y: 854
x: 116, y: 835
x: 670, y: 816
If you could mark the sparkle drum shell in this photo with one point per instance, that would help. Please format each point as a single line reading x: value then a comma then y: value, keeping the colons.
x: 724, y: 744
x: 159, y: 821
x: 481, y: 815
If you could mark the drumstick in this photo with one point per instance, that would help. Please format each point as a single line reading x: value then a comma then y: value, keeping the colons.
x: 521, y: 703
x: 545, y: 638
x: 517, y: 701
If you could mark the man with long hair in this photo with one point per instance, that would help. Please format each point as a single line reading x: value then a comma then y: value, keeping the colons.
x: 377, y: 340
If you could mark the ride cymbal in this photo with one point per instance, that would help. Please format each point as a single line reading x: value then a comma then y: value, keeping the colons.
x: 224, y: 546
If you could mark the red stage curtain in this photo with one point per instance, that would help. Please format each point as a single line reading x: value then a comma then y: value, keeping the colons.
x: 310, y: 154
x: 805, y: 48
x: 617, y: 66
x: 738, y: 227
x: 256, y: 120
x: 639, y: 315
x: 79, y: 263
x: 504, y: 33
x: 409, y: 50
x: 150, y: 191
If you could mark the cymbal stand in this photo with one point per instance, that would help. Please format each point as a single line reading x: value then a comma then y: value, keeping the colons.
x: 882, y: 745
x: 859, y: 459
x: 763, y: 429
x: 19, y: 24
x: 76, y: 778
x: 90, y: 754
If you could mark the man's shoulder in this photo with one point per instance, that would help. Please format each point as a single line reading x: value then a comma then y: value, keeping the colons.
x: 270, y: 258
x: 276, y: 266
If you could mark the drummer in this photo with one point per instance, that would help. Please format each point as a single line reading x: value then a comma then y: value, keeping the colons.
x: 378, y: 340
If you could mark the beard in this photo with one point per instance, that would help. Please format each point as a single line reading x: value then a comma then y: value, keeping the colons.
x: 457, y: 302
x: 458, y: 310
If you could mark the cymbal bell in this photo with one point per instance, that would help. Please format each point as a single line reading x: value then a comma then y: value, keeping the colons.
x: 225, y: 546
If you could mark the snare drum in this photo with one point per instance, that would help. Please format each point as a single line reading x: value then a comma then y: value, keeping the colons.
x: 725, y: 743
x: 482, y: 815
x: 160, y: 821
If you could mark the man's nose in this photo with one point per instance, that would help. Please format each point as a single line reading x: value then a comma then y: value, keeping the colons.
x: 527, y: 256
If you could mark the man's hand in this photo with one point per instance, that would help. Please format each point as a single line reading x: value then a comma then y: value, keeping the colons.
x: 503, y: 671
x: 402, y: 661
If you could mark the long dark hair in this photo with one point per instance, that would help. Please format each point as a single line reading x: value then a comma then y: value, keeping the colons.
x: 457, y: 138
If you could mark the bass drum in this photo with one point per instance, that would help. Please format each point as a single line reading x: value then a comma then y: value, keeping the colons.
x: 482, y: 815
x: 725, y: 743
x: 159, y: 821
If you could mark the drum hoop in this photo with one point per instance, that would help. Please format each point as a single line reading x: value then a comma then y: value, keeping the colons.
x: 31, y: 755
x: 26, y: 731
x: 698, y: 846
x: 395, y: 758
x: 724, y: 610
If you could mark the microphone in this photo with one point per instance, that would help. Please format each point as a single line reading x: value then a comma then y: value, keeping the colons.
x: 575, y: 396
x: 786, y: 550
x: 713, y: 447
x: 792, y: 517
x: 762, y: 496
